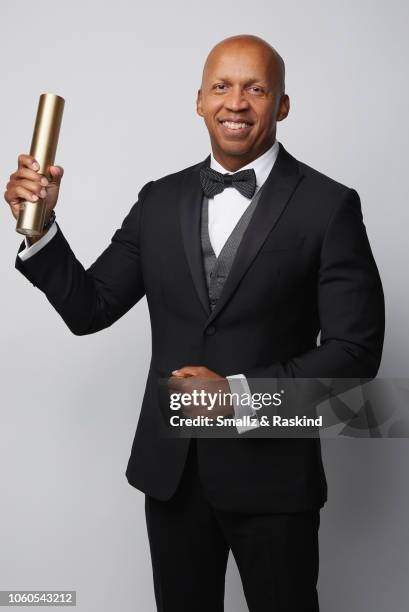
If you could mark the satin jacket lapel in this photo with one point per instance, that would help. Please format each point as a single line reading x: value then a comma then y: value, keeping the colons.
x: 190, y: 213
x: 277, y: 190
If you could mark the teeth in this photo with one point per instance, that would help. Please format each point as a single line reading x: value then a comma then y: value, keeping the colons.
x: 234, y: 125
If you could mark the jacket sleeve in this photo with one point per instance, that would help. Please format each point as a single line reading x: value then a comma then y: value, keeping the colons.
x: 89, y: 300
x: 350, y: 303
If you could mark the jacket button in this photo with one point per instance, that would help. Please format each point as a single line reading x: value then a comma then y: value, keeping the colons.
x: 211, y: 330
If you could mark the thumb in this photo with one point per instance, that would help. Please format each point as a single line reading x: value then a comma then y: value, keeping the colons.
x: 56, y: 173
x: 185, y: 372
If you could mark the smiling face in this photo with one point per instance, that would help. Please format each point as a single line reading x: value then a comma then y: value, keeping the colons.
x: 241, y: 98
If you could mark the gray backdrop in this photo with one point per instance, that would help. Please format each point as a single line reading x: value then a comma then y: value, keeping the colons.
x: 129, y: 73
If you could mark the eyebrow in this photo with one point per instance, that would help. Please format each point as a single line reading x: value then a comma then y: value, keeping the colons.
x: 249, y: 82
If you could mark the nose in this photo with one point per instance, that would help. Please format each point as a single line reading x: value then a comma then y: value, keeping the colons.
x: 236, y: 101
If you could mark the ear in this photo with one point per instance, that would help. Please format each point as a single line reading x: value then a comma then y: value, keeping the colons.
x: 199, y: 108
x: 284, y: 108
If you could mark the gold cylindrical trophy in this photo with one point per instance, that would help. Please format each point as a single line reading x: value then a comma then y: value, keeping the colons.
x: 43, y: 148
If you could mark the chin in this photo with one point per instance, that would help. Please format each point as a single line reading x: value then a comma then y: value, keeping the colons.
x: 234, y: 148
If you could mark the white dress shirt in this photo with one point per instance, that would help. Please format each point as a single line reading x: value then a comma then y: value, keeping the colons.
x: 29, y: 251
x: 225, y: 210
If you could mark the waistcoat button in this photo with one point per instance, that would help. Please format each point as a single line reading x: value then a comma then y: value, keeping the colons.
x: 211, y: 330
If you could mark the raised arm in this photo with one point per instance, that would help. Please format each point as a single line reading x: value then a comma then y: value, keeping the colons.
x: 88, y: 300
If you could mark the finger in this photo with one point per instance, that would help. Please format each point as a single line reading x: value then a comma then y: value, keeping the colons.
x: 24, y: 194
x: 175, y: 381
x: 29, y: 174
x: 28, y: 161
x: 10, y: 197
x: 34, y: 187
x: 56, y: 173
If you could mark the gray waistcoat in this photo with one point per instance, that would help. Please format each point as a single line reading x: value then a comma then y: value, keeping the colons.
x: 217, y: 268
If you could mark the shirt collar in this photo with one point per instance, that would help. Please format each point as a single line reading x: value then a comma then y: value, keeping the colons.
x: 262, y: 165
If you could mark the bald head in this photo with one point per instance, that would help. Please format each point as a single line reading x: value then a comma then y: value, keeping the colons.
x: 248, y: 42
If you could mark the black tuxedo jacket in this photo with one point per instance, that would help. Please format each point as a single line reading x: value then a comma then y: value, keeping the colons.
x: 304, y: 266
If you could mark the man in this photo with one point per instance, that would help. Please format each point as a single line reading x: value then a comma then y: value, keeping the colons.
x: 241, y: 274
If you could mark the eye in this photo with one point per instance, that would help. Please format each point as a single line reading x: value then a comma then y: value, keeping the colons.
x: 256, y: 89
x: 220, y: 87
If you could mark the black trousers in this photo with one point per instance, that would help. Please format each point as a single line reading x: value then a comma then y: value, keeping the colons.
x: 276, y: 554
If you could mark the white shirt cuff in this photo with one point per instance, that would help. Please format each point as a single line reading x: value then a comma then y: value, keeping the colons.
x: 34, y: 248
x: 238, y: 384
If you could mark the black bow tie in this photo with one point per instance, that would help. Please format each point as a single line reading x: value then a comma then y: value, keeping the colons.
x: 213, y: 182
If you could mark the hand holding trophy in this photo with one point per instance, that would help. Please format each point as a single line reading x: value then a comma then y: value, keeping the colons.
x: 32, y: 191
